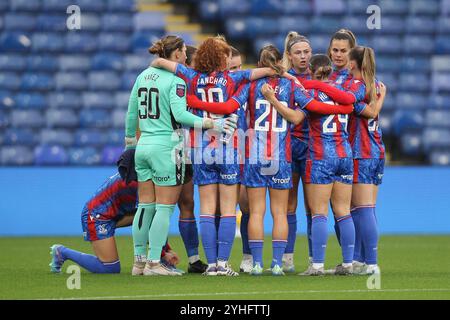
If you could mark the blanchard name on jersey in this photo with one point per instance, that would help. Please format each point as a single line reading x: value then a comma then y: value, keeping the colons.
x: 212, y: 80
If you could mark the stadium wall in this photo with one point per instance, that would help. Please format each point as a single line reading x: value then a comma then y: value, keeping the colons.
x: 48, y: 201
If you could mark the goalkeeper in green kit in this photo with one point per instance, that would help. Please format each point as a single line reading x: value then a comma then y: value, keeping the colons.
x: 158, y: 105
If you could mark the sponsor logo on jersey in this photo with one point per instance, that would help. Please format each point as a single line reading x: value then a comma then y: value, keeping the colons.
x: 228, y: 176
x: 348, y: 177
x: 181, y: 90
x: 162, y: 179
x: 281, y: 181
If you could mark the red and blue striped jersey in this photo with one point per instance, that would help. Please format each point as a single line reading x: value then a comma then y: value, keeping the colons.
x: 365, y: 134
x: 213, y: 87
x: 301, y: 130
x: 268, y: 137
x: 339, y: 77
x: 113, y: 199
x: 328, y: 137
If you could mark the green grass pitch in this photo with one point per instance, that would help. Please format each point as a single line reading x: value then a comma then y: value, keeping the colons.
x: 412, y: 267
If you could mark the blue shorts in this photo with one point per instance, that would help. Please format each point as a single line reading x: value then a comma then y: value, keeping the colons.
x: 209, y: 169
x: 299, y: 150
x: 276, y: 175
x: 94, y: 228
x: 368, y: 171
x: 329, y: 170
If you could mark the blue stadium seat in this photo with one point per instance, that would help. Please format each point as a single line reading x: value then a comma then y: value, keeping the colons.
x: 115, y: 137
x: 39, y: 62
x: 119, y: 42
x: 56, y: 136
x: 149, y: 21
x: 411, y: 143
x: 266, y: 7
x: 359, y: 7
x: 47, y: 42
x: 387, y: 44
x: 389, y: 79
x: 52, y: 22
x: 122, y: 5
x: 233, y: 7
x: 127, y: 80
x: 92, y: 6
x: 209, y: 11
x: 7, y: 100
x: 440, y: 63
x: 440, y: 82
x: 35, y: 101
x: 398, y: 7
x: 118, y: 118
x: 80, y: 42
x: 256, y: 26
x: 277, y: 41
x: 107, y: 61
x: 137, y: 62
x: 415, y: 64
x: 14, y: 42
x: 420, y: 7
x: 117, y: 22
x: 440, y: 157
x: 84, y: 156
x: 98, y: 100
x: 328, y: 25
x: 9, y: 80
x: 70, y: 62
x: 19, y: 22
x: 4, y: 6
x: 437, y: 118
x: 385, y: 120
x: 439, y: 101
x: 236, y: 28
x: 38, y: 81
x: 320, y: 43
x: 387, y: 63
x: 445, y: 7
x: 416, y: 82
x: 297, y: 7
x: 407, y: 120
x: 435, y: 138
x: 390, y: 101
x: 444, y: 25
x: 27, y: 119
x: 442, y: 45
x: 4, y: 119
x: 357, y: 24
x: 20, y: 136
x: 50, y: 155
x: 71, y: 81
x: 421, y: 25
x: 392, y: 25
x: 141, y: 41
x: 110, y: 154
x: 90, y: 22
x: 95, y: 118
x: 61, y: 118
x: 65, y: 100
x: 121, y: 99
x: 9, y: 62
x: 16, y: 155
x: 103, y: 80
x: 188, y: 37
x: 418, y: 45
x: 89, y: 137
x: 292, y: 23
x: 329, y: 7
x: 56, y: 5
x: 411, y: 100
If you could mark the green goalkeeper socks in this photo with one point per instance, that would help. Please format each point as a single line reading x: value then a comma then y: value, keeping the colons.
x: 159, y: 230
x: 141, y: 224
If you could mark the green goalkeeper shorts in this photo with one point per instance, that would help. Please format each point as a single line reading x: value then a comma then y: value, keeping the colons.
x: 164, y: 165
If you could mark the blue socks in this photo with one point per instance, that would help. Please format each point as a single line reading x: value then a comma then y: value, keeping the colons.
x: 189, y: 234
x: 90, y: 262
x: 292, y: 233
x: 225, y: 237
x: 319, y: 234
x: 278, y: 249
x: 358, y: 255
x: 244, y: 233
x: 256, y: 247
x: 347, y: 237
x: 209, y: 237
x: 369, y: 233
x: 308, y: 233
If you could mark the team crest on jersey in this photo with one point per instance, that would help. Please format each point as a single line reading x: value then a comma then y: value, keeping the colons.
x: 181, y: 90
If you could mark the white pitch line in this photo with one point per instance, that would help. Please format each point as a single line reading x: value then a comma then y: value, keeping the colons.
x: 167, y: 295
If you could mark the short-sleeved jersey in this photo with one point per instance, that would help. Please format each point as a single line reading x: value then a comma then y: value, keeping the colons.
x: 365, y: 134
x: 269, y: 134
x: 328, y: 136
x: 113, y: 199
x: 213, y: 87
x: 155, y: 93
x: 301, y: 130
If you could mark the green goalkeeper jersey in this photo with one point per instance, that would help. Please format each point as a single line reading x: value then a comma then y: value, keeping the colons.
x: 158, y: 100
